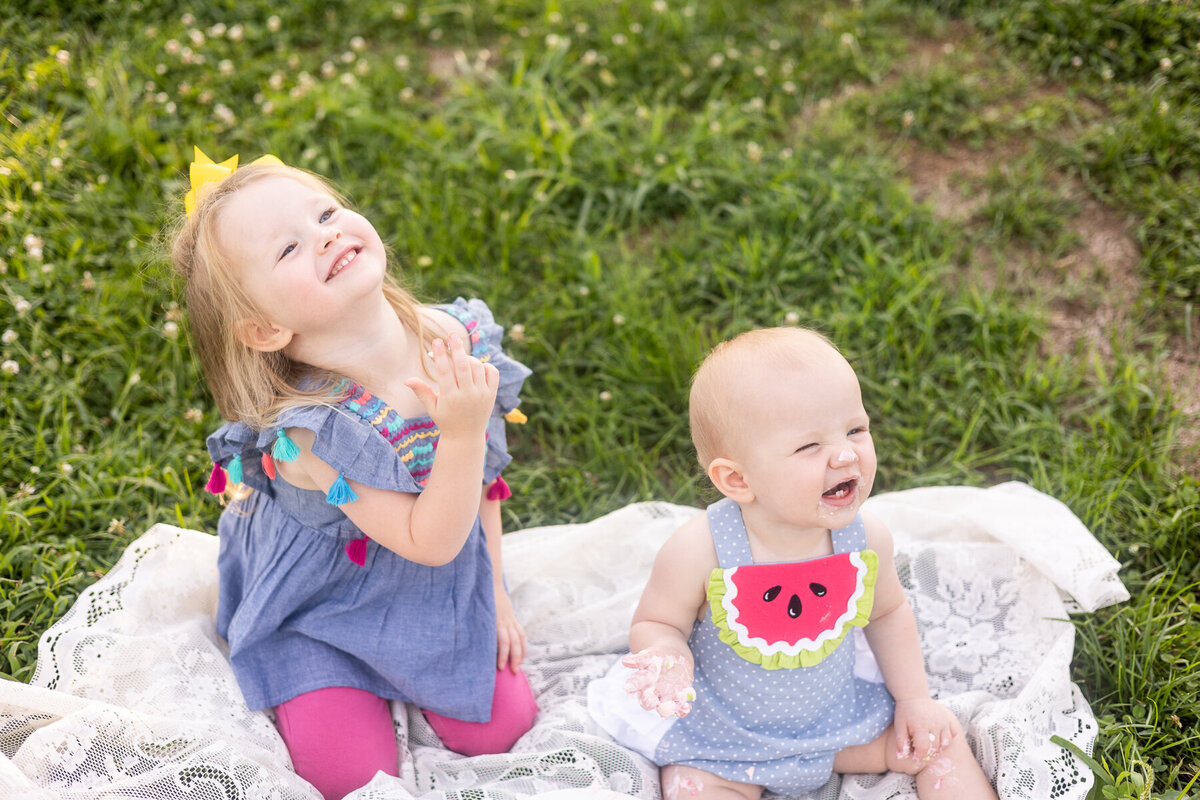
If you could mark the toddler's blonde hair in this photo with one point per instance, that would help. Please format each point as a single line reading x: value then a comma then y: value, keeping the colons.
x: 249, y: 385
x: 721, y: 396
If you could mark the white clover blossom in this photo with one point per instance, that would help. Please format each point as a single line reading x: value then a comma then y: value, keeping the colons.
x: 21, y: 305
x: 10, y: 367
x: 9, y: 336
x: 236, y: 32
x: 274, y: 23
x: 605, y: 396
x: 170, y: 329
x: 194, y: 416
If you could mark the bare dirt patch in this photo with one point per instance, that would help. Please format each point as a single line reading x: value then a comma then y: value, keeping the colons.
x: 1093, y: 293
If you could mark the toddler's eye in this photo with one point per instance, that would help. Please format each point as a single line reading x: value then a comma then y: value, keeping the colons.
x: 285, y: 251
x: 326, y: 214
x: 857, y: 430
x: 804, y: 448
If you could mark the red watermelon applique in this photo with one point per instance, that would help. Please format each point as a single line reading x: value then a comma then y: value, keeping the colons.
x: 784, y: 616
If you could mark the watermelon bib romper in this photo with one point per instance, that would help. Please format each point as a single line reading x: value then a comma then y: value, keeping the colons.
x: 771, y: 724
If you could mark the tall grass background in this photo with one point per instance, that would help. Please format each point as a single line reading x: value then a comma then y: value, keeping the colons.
x: 626, y: 184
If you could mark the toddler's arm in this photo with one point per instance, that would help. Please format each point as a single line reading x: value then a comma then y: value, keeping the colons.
x: 923, y: 727
x: 429, y: 528
x: 672, y: 601
x: 510, y: 636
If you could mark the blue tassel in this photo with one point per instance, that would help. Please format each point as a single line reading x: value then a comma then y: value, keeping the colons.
x: 284, y: 449
x: 234, y: 468
x: 340, y: 493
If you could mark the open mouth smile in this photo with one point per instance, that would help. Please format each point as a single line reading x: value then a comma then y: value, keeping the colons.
x: 342, y: 263
x: 842, y: 494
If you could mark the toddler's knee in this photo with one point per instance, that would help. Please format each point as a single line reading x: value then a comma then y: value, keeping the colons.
x: 513, y: 711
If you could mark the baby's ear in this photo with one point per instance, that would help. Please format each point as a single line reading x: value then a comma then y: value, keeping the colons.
x: 265, y: 338
x: 726, y: 474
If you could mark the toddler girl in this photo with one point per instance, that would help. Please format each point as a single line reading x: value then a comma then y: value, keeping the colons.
x: 741, y: 664
x: 360, y: 555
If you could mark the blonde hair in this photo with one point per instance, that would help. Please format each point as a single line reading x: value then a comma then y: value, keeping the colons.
x: 249, y: 385
x: 721, y: 396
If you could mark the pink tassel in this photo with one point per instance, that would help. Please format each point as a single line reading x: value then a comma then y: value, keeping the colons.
x: 216, y: 481
x: 268, y: 465
x: 499, y: 489
x: 356, y: 551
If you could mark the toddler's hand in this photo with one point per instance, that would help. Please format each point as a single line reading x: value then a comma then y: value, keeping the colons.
x: 661, y: 682
x: 465, y: 393
x: 924, y: 727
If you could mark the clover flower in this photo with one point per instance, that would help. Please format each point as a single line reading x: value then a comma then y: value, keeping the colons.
x: 10, y: 367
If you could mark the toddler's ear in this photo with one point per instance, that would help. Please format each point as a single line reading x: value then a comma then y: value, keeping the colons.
x: 264, y: 338
x: 726, y: 475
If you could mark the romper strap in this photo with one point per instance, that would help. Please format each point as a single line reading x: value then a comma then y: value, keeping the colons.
x: 850, y: 538
x: 729, y: 533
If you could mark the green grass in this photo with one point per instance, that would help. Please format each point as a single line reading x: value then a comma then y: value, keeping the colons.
x: 631, y: 183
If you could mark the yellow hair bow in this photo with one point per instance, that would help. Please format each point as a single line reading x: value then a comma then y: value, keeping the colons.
x: 206, y: 173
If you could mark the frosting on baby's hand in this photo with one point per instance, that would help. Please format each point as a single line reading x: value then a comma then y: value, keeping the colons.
x: 661, y: 683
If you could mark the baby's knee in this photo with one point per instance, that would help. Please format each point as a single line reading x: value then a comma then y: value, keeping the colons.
x: 935, y: 761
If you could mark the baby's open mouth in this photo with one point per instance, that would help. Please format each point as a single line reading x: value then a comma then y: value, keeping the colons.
x: 841, y: 490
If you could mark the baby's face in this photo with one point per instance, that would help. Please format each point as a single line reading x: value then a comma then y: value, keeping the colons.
x: 806, y: 448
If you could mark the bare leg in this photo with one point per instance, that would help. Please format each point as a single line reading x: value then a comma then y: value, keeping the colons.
x: 688, y: 783
x: 952, y: 774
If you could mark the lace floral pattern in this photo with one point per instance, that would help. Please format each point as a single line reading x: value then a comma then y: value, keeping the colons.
x: 133, y: 694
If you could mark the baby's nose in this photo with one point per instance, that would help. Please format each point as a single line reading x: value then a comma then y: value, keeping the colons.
x: 847, y: 456
x: 330, y: 238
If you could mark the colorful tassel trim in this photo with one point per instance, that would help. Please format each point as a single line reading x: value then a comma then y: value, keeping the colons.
x: 216, y: 480
x: 356, y: 551
x: 340, y: 493
x: 268, y: 465
x: 234, y: 469
x: 499, y: 489
x: 516, y: 417
x: 284, y: 449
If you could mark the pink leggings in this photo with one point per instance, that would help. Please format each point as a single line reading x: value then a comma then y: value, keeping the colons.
x: 340, y: 737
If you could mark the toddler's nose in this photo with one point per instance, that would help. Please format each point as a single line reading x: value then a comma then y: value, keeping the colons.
x: 330, y: 238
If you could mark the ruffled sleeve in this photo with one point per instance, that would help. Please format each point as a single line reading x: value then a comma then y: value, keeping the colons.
x: 486, y: 335
x: 341, y: 439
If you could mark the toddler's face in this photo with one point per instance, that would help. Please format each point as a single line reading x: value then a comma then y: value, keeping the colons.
x: 304, y: 260
x: 806, y: 448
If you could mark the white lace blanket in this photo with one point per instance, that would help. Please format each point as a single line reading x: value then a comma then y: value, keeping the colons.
x: 133, y: 695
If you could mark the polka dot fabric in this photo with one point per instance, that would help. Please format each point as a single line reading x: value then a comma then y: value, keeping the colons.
x: 774, y: 728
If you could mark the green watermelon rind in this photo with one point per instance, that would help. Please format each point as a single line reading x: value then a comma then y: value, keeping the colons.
x: 808, y: 652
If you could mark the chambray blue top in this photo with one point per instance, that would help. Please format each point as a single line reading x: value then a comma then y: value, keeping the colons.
x: 776, y: 728
x: 300, y: 615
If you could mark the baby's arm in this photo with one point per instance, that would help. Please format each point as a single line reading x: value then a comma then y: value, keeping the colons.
x: 510, y: 636
x: 923, y: 726
x: 673, y: 599
x: 430, y: 527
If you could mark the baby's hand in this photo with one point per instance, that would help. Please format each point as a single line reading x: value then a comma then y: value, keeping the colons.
x: 465, y: 393
x: 924, y: 727
x: 662, y: 681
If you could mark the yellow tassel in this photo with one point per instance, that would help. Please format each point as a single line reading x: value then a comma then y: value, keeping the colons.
x: 516, y: 417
